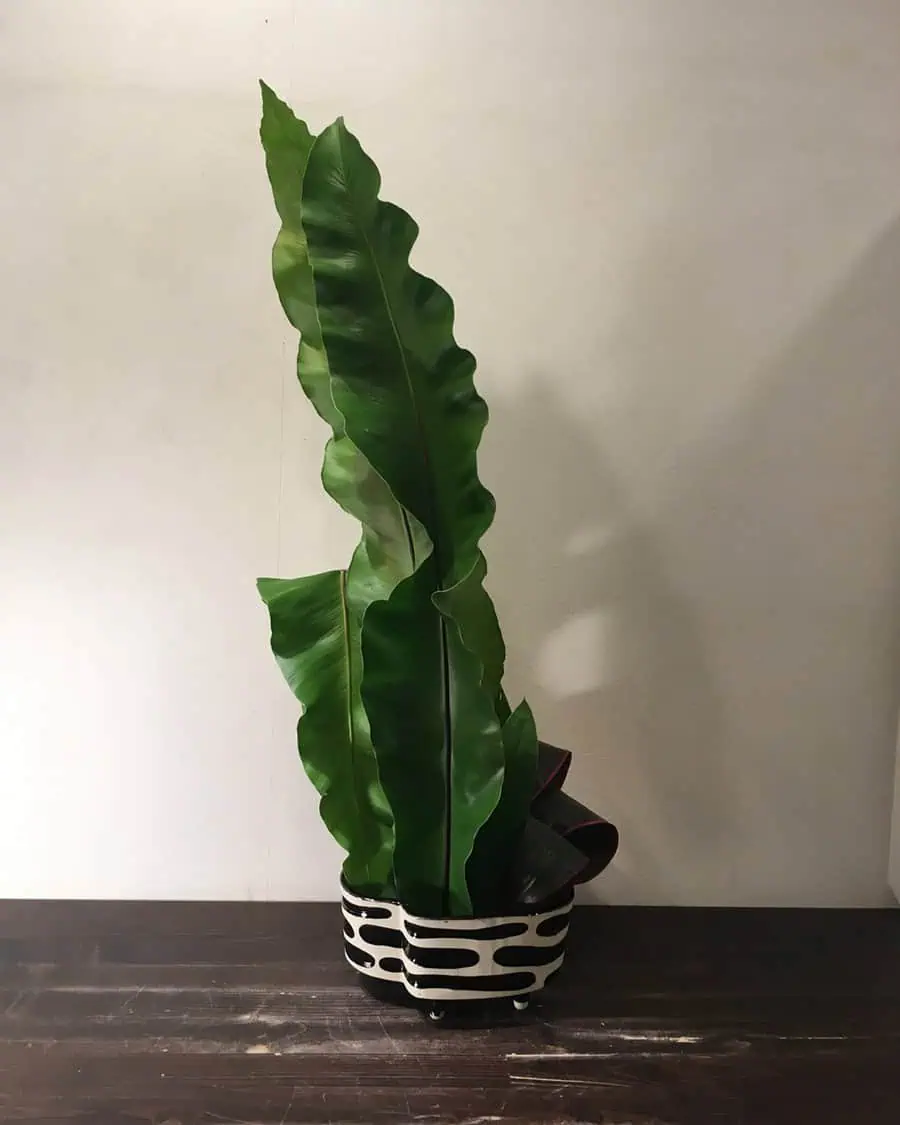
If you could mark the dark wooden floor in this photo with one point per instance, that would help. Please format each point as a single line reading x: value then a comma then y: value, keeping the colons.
x: 186, y: 1013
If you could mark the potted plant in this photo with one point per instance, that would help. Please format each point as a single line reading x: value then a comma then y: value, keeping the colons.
x: 462, y: 850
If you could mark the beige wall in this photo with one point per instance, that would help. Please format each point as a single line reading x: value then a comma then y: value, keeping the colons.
x: 672, y: 231
x: 895, y: 835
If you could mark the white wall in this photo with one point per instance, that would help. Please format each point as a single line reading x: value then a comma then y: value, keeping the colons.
x: 894, y: 868
x: 673, y: 236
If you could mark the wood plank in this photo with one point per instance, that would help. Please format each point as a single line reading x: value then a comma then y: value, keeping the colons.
x: 202, y: 1012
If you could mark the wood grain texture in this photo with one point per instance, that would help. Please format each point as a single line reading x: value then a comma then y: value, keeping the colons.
x: 182, y: 1013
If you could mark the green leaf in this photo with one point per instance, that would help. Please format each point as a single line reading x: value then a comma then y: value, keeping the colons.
x: 405, y: 393
x: 470, y: 606
x: 498, y: 839
x: 419, y: 679
x: 378, y: 361
x: 393, y: 542
x: 287, y: 143
x: 314, y: 636
x: 391, y: 536
x: 402, y: 385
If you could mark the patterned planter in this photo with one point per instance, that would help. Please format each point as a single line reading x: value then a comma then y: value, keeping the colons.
x: 441, y: 963
x: 433, y: 963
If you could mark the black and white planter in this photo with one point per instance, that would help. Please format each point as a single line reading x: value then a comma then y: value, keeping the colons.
x: 443, y: 964
x: 437, y: 963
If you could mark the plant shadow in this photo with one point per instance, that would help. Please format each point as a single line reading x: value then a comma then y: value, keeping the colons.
x: 604, y: 648
x: 726, y: 670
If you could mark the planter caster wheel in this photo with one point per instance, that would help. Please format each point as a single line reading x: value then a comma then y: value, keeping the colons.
x: 436, y: 1014
x: 521, y: 1003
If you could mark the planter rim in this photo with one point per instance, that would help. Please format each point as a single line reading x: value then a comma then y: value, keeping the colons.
x: 523, y: 913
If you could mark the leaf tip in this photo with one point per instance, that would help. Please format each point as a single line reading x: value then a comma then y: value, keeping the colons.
x: 339, y: 126
x: 271, y: 102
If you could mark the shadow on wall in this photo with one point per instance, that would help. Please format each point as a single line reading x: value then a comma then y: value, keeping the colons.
x: 616, y: 670
x: 727, y: 672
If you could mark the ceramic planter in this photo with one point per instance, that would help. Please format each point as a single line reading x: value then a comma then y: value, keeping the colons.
x: 434, y: 963
x: 439, y: 964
